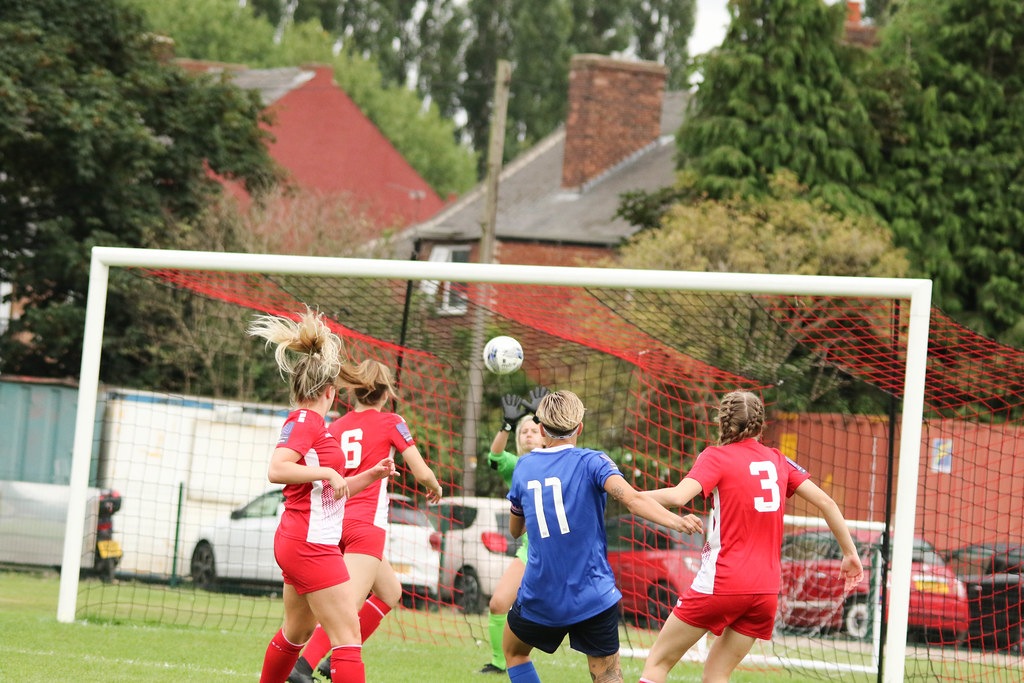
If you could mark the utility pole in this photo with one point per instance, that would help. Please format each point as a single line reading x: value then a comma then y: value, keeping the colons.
x: 495, y: 149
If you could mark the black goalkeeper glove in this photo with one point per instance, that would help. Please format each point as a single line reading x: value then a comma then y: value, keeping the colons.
x: 532, y: 400
x: 511, y: 411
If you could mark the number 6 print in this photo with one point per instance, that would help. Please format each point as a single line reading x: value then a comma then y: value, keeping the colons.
x: 352, y: 448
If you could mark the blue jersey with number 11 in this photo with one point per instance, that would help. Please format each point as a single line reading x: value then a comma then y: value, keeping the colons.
x: 560, y: 492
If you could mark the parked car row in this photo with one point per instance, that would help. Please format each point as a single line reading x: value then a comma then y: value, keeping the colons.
x: 458, y: 551
x: 654, y: 565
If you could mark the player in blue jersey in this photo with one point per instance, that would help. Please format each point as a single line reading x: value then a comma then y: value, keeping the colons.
x: 558, y: 495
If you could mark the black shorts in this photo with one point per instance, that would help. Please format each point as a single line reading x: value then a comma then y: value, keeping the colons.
x: 597, y: 636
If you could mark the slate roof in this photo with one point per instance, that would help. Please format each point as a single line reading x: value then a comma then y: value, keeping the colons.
x: 272, y: 84
x: 532, y: 205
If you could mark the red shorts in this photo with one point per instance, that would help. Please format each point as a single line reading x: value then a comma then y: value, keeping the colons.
x: 309, y: 566
x: 362, y: 538
x: 747, y: 614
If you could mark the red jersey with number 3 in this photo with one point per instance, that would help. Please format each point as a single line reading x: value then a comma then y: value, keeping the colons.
x: 310, y: 511
x: 749, y: 483
x: 368, y: 437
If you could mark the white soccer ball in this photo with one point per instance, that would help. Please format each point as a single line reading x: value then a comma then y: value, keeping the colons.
x: 503, y: 355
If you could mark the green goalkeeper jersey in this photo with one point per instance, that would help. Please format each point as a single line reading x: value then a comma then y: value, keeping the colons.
x: 505, y: 464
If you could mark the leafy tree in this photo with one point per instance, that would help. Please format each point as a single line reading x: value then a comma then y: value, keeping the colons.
x: 220, y: 30
x: 196, y: 344
x: 955, y: 184
x: 786, y: 230
x: 780, y: 93
x: 99, y: 143
x: 663, y: 29
x: 878, y: 10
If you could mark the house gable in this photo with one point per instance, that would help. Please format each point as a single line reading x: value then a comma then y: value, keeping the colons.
x: 326, y: 144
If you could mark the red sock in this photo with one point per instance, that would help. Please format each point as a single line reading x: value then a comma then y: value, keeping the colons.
x: 279, y: 660
x: 317, y: 647
x: 347, y: 664
x: 370, y: 616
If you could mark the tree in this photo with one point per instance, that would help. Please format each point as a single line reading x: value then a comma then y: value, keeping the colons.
x: 955, y: 157
x: 99, y: 143
x: 197, y: 344
x: 781, y: 93
x: 663, y: 29
x: 448, y: 49
x: 785, y: 230
x: 220, y: 30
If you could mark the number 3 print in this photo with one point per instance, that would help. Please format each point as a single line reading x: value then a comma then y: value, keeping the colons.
x: 769, y: 476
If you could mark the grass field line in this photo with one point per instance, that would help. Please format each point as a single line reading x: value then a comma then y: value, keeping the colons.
x: 166, y: 666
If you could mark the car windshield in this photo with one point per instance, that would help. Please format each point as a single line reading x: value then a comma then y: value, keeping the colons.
x: 822, y: 545
x: 977, y: 560
x: 455, y: 517
x: 402, y: 513
x: 264, y: 506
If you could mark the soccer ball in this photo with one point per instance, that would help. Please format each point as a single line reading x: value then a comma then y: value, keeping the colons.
x: 503, y: 355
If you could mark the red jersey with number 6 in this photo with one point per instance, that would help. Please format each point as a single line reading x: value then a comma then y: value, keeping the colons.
x: 368, y: 437
x: 749, y: 483
x: 310, y: 511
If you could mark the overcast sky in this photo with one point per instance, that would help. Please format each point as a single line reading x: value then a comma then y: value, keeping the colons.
x: 709, y: 29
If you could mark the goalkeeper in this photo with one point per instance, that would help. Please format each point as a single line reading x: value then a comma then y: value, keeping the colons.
x: 517, y: 417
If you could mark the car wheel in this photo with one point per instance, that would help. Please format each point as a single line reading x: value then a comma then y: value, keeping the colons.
x: 468, y: 595
x: 659, y: 605
x: 857, y: 619
x: 204, y: 567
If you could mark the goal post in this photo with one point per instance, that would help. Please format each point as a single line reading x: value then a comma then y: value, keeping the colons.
x: 915, y: 335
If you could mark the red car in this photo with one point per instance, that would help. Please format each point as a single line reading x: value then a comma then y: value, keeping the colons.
x: 811, y: 595
x: 653, y: 566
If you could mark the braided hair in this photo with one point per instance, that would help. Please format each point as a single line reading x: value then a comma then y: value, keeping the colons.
x: 740, y: 416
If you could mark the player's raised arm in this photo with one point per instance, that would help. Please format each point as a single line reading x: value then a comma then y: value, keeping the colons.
x: 649, y: 508
x: 851, y: 570
x: 675, y: 496
x: 425, y: 476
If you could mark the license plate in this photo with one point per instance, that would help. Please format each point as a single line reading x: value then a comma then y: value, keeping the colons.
x: 108, y: 549
x: 932, y: 586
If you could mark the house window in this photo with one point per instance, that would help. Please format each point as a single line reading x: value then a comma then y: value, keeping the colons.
x: 451, y: 296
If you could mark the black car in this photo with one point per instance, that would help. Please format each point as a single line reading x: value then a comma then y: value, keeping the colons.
x: 992, y: 574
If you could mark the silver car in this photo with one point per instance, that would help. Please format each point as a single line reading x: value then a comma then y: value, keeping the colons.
x: 241, y: 548
x: 476, y: 549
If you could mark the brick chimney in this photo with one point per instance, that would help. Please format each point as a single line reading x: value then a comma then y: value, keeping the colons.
x: 614, y: 111
x: 853, y: 13
x: 856, y: 32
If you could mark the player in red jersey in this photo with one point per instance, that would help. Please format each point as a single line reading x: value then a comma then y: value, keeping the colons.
x: 368, y: 435
x: 310, y: 462
x: 736, y: 590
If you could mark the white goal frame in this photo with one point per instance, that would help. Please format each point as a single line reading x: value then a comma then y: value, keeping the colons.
x: 917, y: 291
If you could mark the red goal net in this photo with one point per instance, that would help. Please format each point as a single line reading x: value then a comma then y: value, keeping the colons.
x: 650, y: 366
